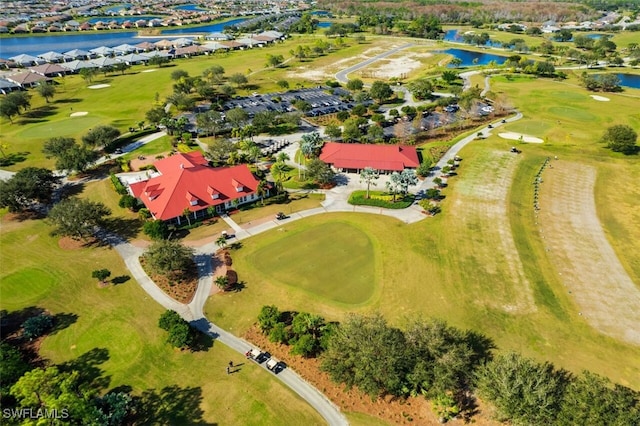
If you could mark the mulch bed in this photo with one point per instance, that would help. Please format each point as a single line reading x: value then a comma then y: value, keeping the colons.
x: 181, y: 290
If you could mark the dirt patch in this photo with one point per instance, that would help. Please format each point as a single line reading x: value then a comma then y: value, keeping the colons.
x: 398, y: 67
x: 482, y: 209
x: 78, y: 114
x: 68, y: 243
x: 396, y: 411
x: 579, y: 249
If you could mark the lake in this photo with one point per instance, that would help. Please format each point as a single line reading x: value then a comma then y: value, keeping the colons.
x: 189, y: 7
x: 121, y: 19
x: 37, y: 45
x: 456, y: 36
x: 468, y: 56
x: 629, y: 80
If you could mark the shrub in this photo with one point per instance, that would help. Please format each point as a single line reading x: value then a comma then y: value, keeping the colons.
x: 128, y: 202
x: 423, y: 169
x: 37, y: 326
x: 380, y: 199
x: 155, y: 229
x: 117, y: 185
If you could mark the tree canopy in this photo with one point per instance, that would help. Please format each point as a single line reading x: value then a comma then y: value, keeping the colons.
x: 170, y: 257
x: 77, y: 217
x: 101, y: 136
x: 621, y: 138
x: 28, y: 186
x: 380, y: 91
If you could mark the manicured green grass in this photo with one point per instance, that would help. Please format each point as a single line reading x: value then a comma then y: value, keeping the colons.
x: 153, y: 148
x: 120, y: 323
x: 295, y: 203
x: 335, y: 262
x: 64, y: 127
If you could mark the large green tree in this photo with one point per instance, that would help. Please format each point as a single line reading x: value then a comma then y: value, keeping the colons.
x: 366, y: 352
x: 77, y: 217
x: 621, y: 138
x: 170, y: 258
x: 46, y: 90
x: 380, y: 91
x: 320, y: 172
x: 12, y: 366
x: 52, y: 389
x: 210, y: 122
x: 101, y: 136
x: 27, y: 187
x: 522, y: 390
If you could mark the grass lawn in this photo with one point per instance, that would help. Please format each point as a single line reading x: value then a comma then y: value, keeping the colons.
x: 343, y: 273
x: 296, y: 202
x: 118, y: 325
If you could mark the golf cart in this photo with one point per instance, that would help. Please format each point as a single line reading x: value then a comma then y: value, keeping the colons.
x: 281, y: 216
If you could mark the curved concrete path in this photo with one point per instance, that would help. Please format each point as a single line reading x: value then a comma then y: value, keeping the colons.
x: 193, y: 312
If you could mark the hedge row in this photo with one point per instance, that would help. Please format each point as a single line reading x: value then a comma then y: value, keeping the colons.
x: 119, y: 187
x: 359, y: 198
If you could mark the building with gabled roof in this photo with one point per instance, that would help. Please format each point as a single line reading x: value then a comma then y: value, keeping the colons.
x: 186, y: 181
x: 353, y: 157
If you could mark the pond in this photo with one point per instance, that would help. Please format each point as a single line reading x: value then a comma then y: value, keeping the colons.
x: 468, y: 57
x: 629, y: 80
x: 189, y: 7
x: 456, y: 36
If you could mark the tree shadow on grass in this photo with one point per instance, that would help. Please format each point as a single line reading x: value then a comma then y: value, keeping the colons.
x: 120, y: 279
x: 13, y: 158
x: 11, y: 322
x: 125, y: 228
x: 62, y: 321
x: 172, y: 405
x: 87, y: 366
x: 39, y: 113
x: 67, y: 101
x: 70, y: 189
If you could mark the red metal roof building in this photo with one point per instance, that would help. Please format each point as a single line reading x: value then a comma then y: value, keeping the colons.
x: 353, y: 157
x: 187, y: 181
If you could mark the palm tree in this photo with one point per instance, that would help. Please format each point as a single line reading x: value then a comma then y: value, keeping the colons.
x: 186, y: 213
x: 262, y: 189
x: 282, y: 157
x: 222, y: 282
x: 279, y: 171
x: 221, y: 241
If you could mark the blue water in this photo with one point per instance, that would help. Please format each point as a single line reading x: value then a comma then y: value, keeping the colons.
x: 12, y: 46
x: 453, y: 35
x: 191, y: 7
x: 117, y: 9
x: 629, y: 80
x: 467, y: 57
x: 324, y: 24
x: 121, y: 19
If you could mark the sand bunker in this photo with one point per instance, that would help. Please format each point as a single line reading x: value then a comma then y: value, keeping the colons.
x: 520, y: 137
x: 99, y: 86
x: 78, y: 114
x: 153, y: 70
x: 600, y: 98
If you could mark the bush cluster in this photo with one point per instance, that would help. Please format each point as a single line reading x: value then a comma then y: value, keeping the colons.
x: 379, y: 199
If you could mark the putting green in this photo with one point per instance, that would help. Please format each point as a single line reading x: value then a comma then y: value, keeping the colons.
x: 529, y: 127
x: 570, y: 113
x: 64, y: 127
x: 26, y: 287
x: 122, y: 341
x: 335, y: 260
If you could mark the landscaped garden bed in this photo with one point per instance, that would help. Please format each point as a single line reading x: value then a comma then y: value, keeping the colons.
x: 380, y: 199
x: 180, y: 289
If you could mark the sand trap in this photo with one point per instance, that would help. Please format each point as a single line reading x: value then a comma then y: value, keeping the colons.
x: 154, y: 70
x: 78, y: 114
x: 600, y: 98
x: 99, y: 86
x: 520, y: 137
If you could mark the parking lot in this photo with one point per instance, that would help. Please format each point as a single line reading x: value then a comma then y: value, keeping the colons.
x: 322, y: 100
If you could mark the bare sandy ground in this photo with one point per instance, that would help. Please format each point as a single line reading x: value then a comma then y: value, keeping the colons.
x: 78, y: 114
x: 151, y: 70
x: 385, y: 68
x: 600, y: 98
x: 584, y: 259
x: 483, y: 208
x: 99, y: 86
x: 517, y: 137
